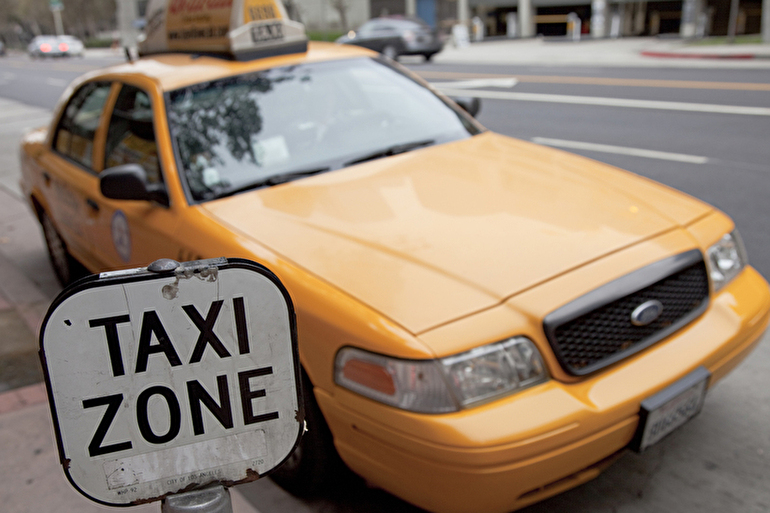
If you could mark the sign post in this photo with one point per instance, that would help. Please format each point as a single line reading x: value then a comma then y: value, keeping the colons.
x: 56, y: 8
x: 172, y: 379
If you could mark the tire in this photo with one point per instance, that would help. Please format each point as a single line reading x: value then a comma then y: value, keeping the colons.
x: 390, y: 52
x: 62, y: 262
x: 315, y: 466
x: 429, y: 56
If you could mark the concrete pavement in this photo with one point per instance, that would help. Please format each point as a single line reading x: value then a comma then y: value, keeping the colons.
x: 626, y: 52
x: 31, y: 477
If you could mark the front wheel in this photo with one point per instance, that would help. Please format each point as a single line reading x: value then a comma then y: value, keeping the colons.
x: 62, y: 262
x: 314, y: 466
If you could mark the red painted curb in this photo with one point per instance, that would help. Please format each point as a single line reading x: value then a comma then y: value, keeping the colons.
x: 674, y: 55
x: 20, y: 398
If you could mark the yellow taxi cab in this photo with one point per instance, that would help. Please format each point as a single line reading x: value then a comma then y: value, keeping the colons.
x: 483, y: 322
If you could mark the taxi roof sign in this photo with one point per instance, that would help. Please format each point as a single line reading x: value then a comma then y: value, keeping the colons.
x: 243, y: 29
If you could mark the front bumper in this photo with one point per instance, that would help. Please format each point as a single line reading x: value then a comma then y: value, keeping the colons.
x: 537, y: 443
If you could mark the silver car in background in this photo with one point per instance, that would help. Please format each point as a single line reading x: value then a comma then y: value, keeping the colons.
x: 55, y: 46
x: 397, y: 35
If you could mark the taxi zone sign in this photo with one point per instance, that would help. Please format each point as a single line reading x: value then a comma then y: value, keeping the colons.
x: 163, y: 382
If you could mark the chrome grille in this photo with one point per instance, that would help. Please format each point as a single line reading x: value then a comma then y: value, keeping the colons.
x: 596, y: 330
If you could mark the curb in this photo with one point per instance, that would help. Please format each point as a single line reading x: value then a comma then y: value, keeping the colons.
x: 683, y: 55
x: 20, y: 398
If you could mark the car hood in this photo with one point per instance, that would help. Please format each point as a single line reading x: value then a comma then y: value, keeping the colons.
x: 436, y: 234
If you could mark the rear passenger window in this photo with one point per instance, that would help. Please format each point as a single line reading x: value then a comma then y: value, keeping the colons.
x: 131, y: 135
x: 75, y: 134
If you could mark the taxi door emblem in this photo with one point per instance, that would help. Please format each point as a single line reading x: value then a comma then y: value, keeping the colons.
x: 121, y: 235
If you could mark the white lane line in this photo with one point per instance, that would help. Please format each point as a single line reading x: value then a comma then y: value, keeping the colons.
x: 16, y: 112
x: 608, y: 102
x: 621, y: 150
x: 56, y: 82
x: 478, y: 82
x: 15, y: 127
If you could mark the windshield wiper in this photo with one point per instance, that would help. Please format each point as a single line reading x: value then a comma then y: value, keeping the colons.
x: 275, y: 180
x: 392, y: 150
x: 293, y: 175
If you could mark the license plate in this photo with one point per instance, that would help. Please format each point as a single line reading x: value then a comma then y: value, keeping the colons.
x: 670, y: 408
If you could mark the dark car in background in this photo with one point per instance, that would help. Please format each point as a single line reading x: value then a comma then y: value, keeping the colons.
x: 396, y: 36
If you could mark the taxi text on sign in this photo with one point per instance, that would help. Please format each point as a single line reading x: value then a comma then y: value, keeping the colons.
x: 166, y: 382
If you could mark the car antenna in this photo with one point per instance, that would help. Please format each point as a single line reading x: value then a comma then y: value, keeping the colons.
x: 128, y: 55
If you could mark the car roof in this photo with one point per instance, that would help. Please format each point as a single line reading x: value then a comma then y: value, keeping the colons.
x: 400, y: 20
x: 176, y: 70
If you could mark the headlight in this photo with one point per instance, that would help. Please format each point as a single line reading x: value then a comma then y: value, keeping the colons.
x: 446, y: 384
x: 497, y: 369
x: 726, y: 259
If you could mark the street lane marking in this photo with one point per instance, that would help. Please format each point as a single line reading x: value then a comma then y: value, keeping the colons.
x: 607, y: 102
x: 621, y: 150
x: 482, y: 82
x: 56, y: 82
x: 15, y: 111
x: 23, y: 125
x: 625, y: 82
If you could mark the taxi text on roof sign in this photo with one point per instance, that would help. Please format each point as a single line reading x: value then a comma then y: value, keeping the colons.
x: 163, y: 382
x: 244, y: 29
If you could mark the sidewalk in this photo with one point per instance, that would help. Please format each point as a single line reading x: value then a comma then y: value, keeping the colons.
x: 624, y: 52
x: 31, y: 475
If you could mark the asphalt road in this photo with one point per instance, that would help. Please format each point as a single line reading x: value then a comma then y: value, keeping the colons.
x: 719, y: 462
x: 733, y: 172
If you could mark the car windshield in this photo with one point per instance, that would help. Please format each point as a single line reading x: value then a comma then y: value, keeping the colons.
x: 269, y: 127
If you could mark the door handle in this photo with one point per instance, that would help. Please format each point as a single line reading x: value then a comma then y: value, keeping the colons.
x: 93, y: 204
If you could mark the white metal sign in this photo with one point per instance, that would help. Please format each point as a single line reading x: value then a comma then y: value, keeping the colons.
x: 163, y: 382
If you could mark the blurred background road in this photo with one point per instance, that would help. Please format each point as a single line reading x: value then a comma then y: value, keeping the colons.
x: 699, y: 124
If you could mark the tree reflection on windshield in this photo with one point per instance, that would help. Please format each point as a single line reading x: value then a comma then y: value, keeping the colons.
x: 216, y: 123
x: 249, y: 131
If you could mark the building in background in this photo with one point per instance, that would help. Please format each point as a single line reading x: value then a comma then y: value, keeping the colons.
x: 330, y: 15
x: 94, y: 20
x: 599, y: 18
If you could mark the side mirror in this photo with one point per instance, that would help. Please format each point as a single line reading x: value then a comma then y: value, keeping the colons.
x: 471, y: 105
x: 129, y: 182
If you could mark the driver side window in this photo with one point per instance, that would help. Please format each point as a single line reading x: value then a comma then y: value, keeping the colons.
x: 77, y: 127
x: 131, y: 135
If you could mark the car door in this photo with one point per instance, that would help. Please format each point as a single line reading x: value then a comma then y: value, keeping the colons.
x: 71, y: 183
x: 134, y: 233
